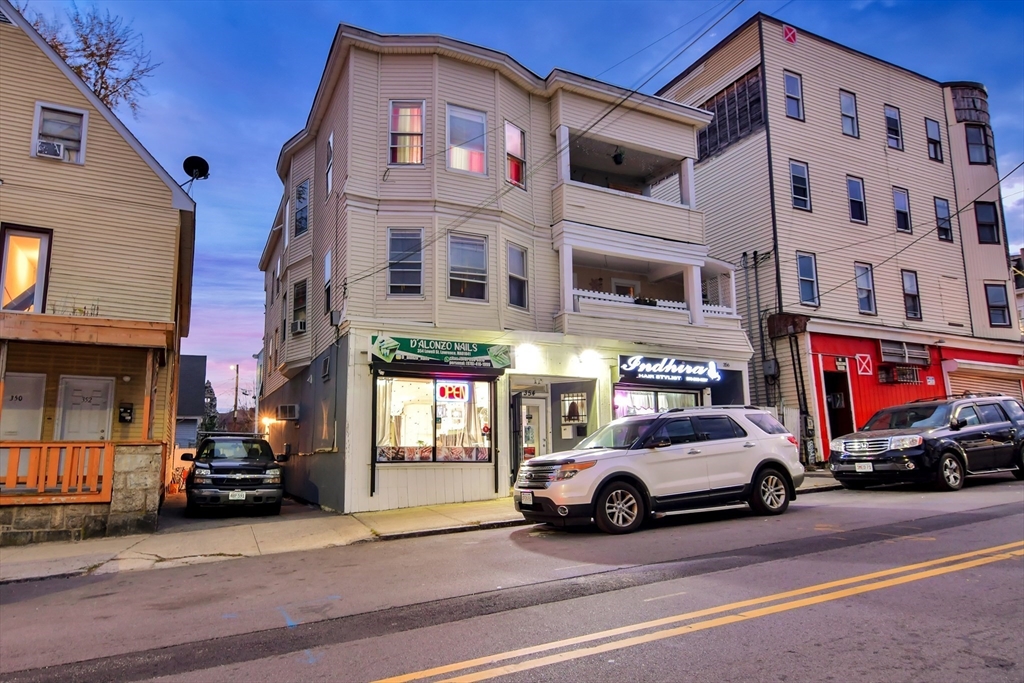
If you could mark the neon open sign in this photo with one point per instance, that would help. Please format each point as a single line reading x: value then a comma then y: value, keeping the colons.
x: 453, y: 392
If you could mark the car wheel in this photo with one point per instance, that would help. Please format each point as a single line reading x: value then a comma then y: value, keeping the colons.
x: 771, y: 493
x: 854, y: 485
x: 191, y: 509
x: 951, y: 473
x: 274, y: 508
x: 620, y: 508
x: 1019, y: 472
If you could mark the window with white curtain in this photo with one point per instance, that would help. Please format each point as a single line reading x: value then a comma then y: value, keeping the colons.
x: 405, y: 133
x: 467, y: 140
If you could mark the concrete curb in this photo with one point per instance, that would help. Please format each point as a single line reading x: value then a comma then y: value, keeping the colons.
x: 452, y: 529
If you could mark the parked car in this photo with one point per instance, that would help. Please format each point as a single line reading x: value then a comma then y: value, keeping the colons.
x: 646, y: 465
x: 234, y: 471
x: 939, y: 441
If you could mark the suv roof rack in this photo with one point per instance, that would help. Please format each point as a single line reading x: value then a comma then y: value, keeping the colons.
x: 203, y: 435
x: 721, y: 407
x: 965, y: 394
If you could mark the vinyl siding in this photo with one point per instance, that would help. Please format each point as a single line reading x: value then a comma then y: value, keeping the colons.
x: 405, y: 77
x: 596, y: 320
x: 626, y: 212
x: 365, y: 165
x: 404, y: 307
x: 718, y: 70
x: 115, y: 235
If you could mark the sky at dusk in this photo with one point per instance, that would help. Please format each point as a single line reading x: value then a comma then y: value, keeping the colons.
x: 237, y: 79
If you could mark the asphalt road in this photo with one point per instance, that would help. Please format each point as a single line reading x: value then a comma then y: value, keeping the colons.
x: 899, y: 584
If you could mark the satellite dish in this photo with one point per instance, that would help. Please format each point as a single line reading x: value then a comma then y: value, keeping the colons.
x: 197, y: 168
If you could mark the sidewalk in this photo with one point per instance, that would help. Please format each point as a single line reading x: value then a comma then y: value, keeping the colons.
x: 183, y: 541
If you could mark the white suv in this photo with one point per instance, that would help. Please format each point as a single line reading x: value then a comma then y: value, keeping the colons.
x: 647, y: 465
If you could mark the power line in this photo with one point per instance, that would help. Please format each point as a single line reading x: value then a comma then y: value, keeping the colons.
x: 462, y: 220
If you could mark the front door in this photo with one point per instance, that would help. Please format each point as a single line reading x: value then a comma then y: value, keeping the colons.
x: 85, y: 409
x: 535, y: 427
x: 22, y: 416
x: 837, y: 405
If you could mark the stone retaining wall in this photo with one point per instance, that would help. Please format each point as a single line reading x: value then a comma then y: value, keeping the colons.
x: 133, y: 507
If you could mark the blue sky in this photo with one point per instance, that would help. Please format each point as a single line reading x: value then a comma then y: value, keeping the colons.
x: 236, y: 81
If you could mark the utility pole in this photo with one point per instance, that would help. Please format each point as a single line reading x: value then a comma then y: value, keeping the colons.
x: 234, y: 414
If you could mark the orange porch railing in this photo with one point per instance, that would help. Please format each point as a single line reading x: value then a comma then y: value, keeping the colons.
x: 34, y: 473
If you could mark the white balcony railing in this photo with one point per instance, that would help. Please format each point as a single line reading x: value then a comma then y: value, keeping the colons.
x: 585, y: 295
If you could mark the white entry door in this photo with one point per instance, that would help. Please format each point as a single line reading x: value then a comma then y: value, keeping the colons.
x: 535, y: 427
x: 22, y: 416
x: 85, y: 409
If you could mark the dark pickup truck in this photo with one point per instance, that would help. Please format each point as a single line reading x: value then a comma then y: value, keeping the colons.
x: 233, y: 470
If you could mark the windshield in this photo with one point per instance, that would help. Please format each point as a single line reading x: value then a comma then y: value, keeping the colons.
x: 235, y: 449
x: 906, y: 417
x: 617, y: 434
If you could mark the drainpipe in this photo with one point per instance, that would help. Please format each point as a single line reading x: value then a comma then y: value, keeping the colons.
x: 744, y: 262
x: 760, y: 328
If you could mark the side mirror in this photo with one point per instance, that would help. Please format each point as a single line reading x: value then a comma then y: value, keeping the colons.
x: 283, y: 457
x: 188, y: 457
x: 957, y: 424
x: 659, y: 442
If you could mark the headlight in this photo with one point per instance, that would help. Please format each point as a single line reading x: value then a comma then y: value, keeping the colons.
x: 272, y: 476
x: 201, y: 477
x: 836, y: 445
x: 900, y: 442
x: 572, y: 469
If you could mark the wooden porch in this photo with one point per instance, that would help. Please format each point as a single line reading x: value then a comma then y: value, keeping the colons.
x: 36, y: 473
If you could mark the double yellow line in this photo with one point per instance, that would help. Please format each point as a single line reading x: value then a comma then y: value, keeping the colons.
x: 824, y: 593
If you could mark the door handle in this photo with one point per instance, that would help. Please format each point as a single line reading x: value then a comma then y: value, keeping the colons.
x: 749, y: 444
x: 986, y: 435
x: 693, y: 451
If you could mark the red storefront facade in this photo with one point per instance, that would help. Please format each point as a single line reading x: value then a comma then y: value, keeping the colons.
x: 853, y: 377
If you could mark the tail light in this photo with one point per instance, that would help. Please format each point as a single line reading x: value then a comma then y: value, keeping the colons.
x: 792, y: 439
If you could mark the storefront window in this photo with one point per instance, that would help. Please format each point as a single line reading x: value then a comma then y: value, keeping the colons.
x: 632, y: 402
x: 426, y: 420
x: 668, y: 400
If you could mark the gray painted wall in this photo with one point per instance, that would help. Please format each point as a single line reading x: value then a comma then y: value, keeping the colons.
x: 587, y: 387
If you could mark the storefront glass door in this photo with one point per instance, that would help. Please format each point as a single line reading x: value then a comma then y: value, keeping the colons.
x: 535, y: 427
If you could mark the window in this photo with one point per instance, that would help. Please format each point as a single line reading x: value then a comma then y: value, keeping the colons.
x: 943, y: 224
x: 330, y: 165
x: 794, y: 96
x: 911, y: 295
x: 467, y: 267
x: 988, y: 222
x: 277, y: 276
x: 24, y: 269
x: 893, y: 129
x: 865, y: 287
x: 991, y: 413
x: 855, y: 192
x: 977, y: 146
x: 467, y: 140
x: 807, y: 273
x: 800, y: 186
x: 299, y: 307
x: 515, y: 153
x: 931, y: 129
x: 327, y: 282
x: 998, y: 305
x: 738, y: 112
x: 517, y: 276
x: 405, y: 261
x: 302, y: 208
x: 677, y: 431
x: 433, y: 420
x: 901, y: 203
x: 969, y: 415
x: 284, y: 317
x: 405, y: 133
x: 287, y: 221
x: 767, y: 424
x: 848, y: 109
x: 718, y: 427
x: 60, y: 134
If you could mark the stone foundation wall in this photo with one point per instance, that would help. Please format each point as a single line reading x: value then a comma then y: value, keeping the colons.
x: 133, y: 507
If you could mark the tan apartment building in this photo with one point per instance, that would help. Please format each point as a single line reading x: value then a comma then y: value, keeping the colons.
x: 96, y: 267
x: 472, y: 265
x: 861, y: 202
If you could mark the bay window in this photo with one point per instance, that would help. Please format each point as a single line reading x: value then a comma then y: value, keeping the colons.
x: 515, y: 153
x: 405, y: 133
x: 467, y: 267
x: 467, y: 140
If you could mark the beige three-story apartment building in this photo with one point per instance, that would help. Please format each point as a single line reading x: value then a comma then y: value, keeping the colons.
x: 97, y: 243
x: 472, y: 265
x: 861, y: 201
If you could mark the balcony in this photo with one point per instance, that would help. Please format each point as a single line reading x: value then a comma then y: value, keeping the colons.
x: 611, y: 186
x: 35, y: 472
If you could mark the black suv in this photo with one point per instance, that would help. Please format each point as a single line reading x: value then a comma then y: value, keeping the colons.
x: 233, y: 470
x: 939, y: 440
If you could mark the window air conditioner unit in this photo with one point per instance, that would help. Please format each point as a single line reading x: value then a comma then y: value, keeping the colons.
x: 298, y: 326
x: 904, y: 353
x: 288, y: 411
x: 54, y: 150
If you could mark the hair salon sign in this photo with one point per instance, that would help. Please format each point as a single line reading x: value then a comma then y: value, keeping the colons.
x: 650, y: 370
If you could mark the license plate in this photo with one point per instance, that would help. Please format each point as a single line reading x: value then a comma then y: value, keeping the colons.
x: 527, y: 498
x: 864, y: 467
x: 236, y: 495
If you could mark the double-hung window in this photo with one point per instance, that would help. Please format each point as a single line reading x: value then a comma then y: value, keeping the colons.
x: 800, y: 185
x: 60, y: 134
x: 794, y: 95
x: 284, y: 316
x: 807, y: 274
x: 865, y: 287
x: 405, y: 261
x: 911, y: 295
x: 998, y: 305
x: 848, y: 109
x: 327, y: 282
x: 329, y: 173
x: 855, y: 194
x: 299, y: 307
x: 988, y: 222
x: 24, y: 269
x: 517, y: 284
x: 893, y: 128
x: 943, y: 223
x: 467, y: 266
x: 405, y: 133
x: 467, y: 140
x: 901, y: 204
x: 977, y: 146
x: 302, y: 208
x: 515, y: 155
x: 931, y: 129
